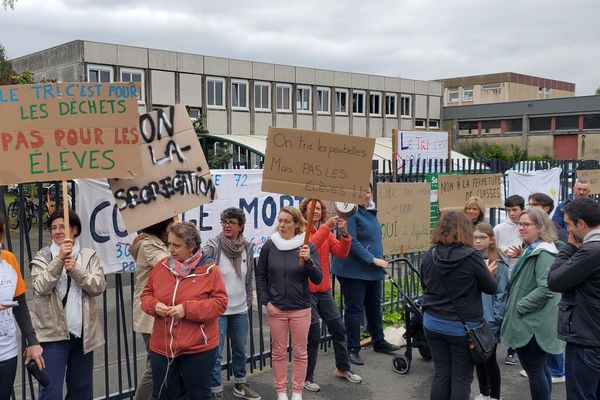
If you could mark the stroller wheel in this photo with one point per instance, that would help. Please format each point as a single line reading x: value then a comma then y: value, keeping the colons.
x: 401, y: 365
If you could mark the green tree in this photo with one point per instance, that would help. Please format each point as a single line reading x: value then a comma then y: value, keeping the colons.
x: 598, y: 91
x: 5, y: 67
x: 9, y: 4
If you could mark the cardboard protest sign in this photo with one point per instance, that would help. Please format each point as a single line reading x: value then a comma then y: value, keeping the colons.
x: 592, y: 176
x: 404, y: 215
x: 317, y: 164
x: 102, y: 227
x: 455, y: 190
x: 175, y: 175
x: 60, y: 131
x: 241, y: 188
x: 420, y: 146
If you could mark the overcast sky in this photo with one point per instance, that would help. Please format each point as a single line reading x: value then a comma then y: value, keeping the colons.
x: 416, y: 39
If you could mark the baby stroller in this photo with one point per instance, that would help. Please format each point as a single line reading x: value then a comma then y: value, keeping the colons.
x: 411, y: 298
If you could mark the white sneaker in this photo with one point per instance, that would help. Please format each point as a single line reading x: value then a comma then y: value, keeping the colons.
x: 481, y: 397
x: 523, y: 373
x: 296, y: 396
x: 282, y: 396
x: 558, y: 379
x: 312, y: 386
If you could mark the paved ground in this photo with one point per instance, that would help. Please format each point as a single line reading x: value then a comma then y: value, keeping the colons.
x: 380, y: 382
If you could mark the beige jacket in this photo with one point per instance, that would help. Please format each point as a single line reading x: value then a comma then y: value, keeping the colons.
x: 48, y: 315
x: 147, y: 250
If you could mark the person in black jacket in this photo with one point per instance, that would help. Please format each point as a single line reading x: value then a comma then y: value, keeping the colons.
x: 453, y: 275
x: 576, y: 274
x: 282, y: 286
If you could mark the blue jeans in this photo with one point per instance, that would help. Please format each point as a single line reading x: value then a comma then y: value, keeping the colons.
x: 190, y: 370
x: 67, y: 356
x: 582, y: 364
x: 235, y: 327
x: 452, y: 366
x: 533, y: 361
x: 556, y: 364
x: 361, y: 296
x: 8, y: 371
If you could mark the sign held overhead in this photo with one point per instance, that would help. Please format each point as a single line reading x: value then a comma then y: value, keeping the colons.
x: 317, y: 165
x: 60, y: 131
x: 455, y: 190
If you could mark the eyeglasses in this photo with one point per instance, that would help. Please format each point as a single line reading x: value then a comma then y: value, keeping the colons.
x: 55, y: 228
x: 480, y: 238
x: 525, y: 224
x: 532, y: 204
x: 229, y: 222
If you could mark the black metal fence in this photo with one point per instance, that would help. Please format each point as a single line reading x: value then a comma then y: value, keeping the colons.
x: 120, y: 362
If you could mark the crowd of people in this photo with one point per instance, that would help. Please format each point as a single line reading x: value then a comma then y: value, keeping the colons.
x: 533, y: 280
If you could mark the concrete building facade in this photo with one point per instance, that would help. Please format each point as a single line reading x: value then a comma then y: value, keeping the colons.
x: 246, y: 97
x: 502, y: 87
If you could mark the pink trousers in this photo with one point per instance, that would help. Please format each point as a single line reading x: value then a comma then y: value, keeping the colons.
x: 296, y: 324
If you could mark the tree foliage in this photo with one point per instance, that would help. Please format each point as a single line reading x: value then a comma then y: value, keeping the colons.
x: 5, y: 67
x: 9, y: 4
x: 598, y: 91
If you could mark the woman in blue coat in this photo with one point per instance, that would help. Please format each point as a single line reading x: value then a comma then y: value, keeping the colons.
x: 361, y: 275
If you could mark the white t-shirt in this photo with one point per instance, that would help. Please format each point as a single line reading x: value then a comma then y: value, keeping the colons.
x: 8, y: 329
x: 235, y: 286
x: 507, y: 235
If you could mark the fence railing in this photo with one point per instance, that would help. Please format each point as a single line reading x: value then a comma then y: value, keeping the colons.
x: 120, y: 362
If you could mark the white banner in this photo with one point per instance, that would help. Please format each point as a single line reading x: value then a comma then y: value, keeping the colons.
x: 545, y: 181
x: 418, y: 146
x: 241, y: 188
x: 102, y: 227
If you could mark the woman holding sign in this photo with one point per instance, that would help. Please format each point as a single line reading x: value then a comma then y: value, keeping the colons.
x: 65, y: 280
x: 361, y: 276
x: 282, y: 287
x: 323, y: 304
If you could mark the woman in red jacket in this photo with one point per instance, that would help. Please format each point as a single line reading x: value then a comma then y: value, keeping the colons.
x: 323, y: 304
x: 186, y: 296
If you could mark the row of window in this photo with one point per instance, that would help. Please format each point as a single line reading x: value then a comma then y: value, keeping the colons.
x: 536, y: 124
x: 454, y: 94
x: 215, y: 96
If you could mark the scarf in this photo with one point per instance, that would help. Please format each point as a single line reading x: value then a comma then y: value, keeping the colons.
x: 184, y: 268
x: 74, y: 305
x: 233, y: 249
x: 287, y: 244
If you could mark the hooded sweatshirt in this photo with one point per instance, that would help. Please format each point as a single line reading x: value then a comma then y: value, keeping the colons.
x: 458, y: 271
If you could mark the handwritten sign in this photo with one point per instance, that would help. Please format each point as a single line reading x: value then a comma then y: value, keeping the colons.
x: 404, y: 215
x: 241, y: 188
x: 455, y: 190
x: 102, y: 227
x: 592, y: 176
x: 68, y: 130
x: 417, y: 147
x: 317, y: 164
x: 175, y: 176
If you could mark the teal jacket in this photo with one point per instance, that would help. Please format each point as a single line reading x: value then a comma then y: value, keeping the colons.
x: 532, y: 309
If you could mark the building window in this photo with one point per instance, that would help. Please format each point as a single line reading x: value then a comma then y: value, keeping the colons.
x: 262, y: 96
x: 134, y: 75
x: 467, y: 127
x: 567, y: 122
x: 453, y: 95
x: 239, y: 95
x: 390, y: 105
x: 434, y: 124
x: 358, y: 102
x: 543, y: 93
x: 468, y: 94
x: 100, y: 74
x: 303, y: 99
x: 194, y: 112
x: 492, y: 126
x: 419, y: 123
x: 341, y: 101
x: 491, y: 86
x: 591, y: 121
x: 215, y: 92
x: 284, y: 98
x: 323, y: 100
x: 540, y: 124
x: 513, y: 124
x: 406, y: 106
x: 375, y: 104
